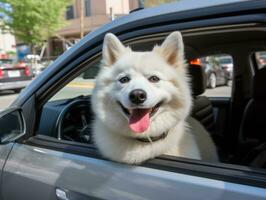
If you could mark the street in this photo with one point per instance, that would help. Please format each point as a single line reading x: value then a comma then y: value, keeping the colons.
x: 222, y: 91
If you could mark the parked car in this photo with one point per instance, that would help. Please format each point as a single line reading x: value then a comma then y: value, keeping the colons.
x: 226, y: 63
x: 14, y: 76
x: 41, y: 159
x: 218, y: 71
x: 261, y: 58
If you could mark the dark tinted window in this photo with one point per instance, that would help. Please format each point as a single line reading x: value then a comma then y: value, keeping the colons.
x: 70, y: 12
x: 225, y: 60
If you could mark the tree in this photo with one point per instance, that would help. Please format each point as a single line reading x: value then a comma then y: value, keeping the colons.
x: 34, y: 21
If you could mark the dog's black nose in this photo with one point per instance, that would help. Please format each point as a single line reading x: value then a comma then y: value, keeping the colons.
x: 137, y: 96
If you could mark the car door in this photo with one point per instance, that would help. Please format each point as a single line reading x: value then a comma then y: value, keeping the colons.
x: 40, y: 173
x: 12, y: 126
x: 4, y: 151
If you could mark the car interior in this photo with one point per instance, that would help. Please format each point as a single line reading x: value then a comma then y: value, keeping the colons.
x: 235, y: 123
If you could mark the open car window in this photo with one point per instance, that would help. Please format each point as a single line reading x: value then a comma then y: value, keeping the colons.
x: 71, y: 106
x: 81, y: 85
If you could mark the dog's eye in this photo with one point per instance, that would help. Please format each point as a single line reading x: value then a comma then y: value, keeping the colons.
x: 124, y: 79
x: 154, y: 79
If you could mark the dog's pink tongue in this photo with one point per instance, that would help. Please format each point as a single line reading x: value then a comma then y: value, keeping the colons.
x: 139, y: 120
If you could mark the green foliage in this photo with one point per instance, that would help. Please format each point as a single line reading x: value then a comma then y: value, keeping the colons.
x: 33, y: 21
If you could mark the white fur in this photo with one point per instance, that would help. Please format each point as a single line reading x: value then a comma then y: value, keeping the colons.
x: 111, y: 131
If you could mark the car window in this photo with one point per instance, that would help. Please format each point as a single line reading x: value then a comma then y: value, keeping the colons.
x: 81, y: 85
x: 219, y: 72
x: 71, y: 109
x: 261, y: 59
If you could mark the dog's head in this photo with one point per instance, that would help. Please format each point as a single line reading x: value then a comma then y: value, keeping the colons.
x: 142, y: 93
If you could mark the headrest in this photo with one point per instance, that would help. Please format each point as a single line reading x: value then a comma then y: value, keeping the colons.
x: 198, y: 79
x: 259, y: 84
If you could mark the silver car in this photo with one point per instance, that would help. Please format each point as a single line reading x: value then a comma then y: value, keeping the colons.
x: 14, y: 76
x: 46, y: 147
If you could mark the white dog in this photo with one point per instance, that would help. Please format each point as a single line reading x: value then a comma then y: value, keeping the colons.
x: 142, y: 102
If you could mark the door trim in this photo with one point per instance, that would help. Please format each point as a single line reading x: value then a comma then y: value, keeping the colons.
x: 218, y: 171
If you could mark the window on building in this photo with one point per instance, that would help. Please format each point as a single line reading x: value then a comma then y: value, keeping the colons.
x: 87, y: 7
x: 70, y: 12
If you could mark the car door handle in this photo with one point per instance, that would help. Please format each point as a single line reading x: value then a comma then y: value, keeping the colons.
x: 61, y: 194
x: 65, y: 194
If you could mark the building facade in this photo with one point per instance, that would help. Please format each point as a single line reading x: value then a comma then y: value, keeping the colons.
x: 7, y: 44
x: 84, y: 16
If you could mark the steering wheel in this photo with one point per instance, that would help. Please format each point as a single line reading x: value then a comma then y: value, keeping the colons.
x: 73, y: 123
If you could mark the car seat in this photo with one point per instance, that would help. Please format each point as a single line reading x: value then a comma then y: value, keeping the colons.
x: 202, y: 106
x: 253, y: 125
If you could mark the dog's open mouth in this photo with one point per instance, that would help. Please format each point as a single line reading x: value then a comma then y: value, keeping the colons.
x: 139, y: 118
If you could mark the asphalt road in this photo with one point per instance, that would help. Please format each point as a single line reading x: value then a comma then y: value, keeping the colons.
x: 6, y: 97
x: 223, y: 91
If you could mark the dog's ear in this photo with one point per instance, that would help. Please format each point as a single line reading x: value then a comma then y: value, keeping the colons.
x: 112, y: 49
x: 172, y: 49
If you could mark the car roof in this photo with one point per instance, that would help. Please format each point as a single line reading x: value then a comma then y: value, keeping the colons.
x: 184, y: 5
x: 140, y: 17
x: 180, y: 6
